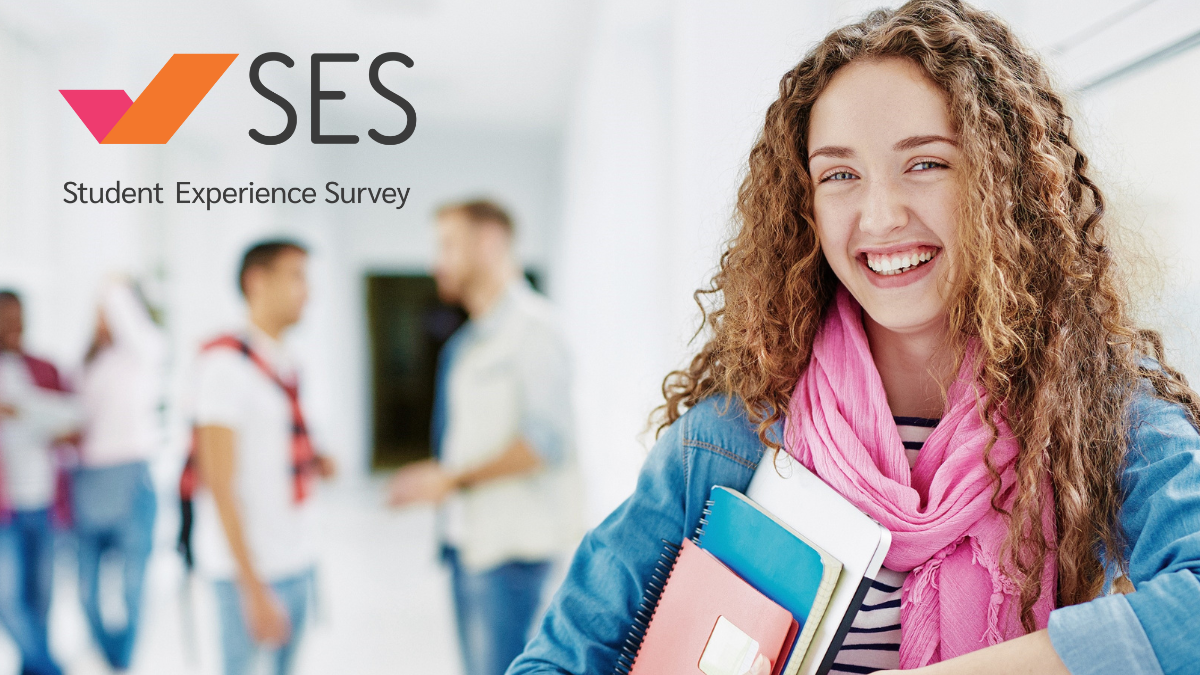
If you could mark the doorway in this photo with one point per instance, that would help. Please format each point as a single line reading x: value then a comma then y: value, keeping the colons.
x: 408, y: 325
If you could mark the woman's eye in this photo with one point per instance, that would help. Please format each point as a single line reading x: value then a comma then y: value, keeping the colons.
x: 926, y: 165
x: 838, y: 175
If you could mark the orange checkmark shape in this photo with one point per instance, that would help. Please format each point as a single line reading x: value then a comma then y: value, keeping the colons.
x: 165, y: 103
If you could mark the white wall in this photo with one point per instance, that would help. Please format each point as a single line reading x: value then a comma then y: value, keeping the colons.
x: 611, y: 274
x: 1147, y: 142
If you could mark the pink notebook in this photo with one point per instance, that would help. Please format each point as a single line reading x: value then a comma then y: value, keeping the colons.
x: 707, y: 613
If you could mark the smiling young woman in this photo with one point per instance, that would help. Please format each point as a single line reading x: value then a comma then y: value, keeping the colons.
x: 920, y: 306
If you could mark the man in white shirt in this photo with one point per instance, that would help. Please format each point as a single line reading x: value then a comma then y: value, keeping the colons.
x: 504, y: 471
x: 256, y: 468
x: 35, y: 411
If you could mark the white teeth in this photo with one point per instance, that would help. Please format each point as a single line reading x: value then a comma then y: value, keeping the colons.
x: 888, y: 265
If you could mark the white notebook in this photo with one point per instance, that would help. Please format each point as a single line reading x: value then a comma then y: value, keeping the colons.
x: 796, y: 496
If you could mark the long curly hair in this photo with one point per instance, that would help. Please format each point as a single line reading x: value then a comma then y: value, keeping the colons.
x: 1038, y: 288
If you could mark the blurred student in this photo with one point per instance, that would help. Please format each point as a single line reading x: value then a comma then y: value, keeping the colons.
x: 254, y: 529
x: 35, y: 411
x: 112, y: 495
x: 504, y: 467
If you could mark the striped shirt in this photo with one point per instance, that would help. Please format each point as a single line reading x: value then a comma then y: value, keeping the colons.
x: 873, y: 642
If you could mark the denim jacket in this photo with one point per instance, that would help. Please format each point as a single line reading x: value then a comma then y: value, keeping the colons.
x: 1151, y: 631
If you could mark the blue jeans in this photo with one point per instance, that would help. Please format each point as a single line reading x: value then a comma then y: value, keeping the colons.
x: 496, y: 610
x: 114, y: 509
x: 239, y: 650
x: 26, y: 573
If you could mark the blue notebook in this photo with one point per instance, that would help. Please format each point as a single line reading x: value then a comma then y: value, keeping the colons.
x: 773, y: 558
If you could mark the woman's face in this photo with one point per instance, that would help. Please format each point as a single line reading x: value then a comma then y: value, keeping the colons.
x: 883, y: 157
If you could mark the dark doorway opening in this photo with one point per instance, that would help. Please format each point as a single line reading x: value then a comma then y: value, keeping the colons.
x: 408, y: 325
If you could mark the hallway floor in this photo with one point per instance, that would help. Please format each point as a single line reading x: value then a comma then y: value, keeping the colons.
x: 384, y: 604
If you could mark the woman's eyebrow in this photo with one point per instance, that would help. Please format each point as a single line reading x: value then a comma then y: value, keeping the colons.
x: 835, y: 151
x: 917, y: 141
x: 842, y: 152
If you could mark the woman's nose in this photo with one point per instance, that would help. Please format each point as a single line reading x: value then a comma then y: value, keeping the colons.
x: 884, y: 209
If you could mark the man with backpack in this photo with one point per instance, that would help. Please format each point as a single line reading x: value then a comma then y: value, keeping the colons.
x: 253, y: 468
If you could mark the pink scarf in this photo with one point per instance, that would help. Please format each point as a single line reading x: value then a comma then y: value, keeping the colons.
x: 944, y: 529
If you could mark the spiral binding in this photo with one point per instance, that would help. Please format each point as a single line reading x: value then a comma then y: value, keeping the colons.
x: 645, y: 612
x: 703, y: 522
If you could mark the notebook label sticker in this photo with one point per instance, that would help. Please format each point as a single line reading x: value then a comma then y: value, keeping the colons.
x: 729, y: 650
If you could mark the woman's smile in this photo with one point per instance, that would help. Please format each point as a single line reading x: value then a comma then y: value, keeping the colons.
x: 897, y: 267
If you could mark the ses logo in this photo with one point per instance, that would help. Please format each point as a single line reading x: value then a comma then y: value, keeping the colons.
x: 178, y: 88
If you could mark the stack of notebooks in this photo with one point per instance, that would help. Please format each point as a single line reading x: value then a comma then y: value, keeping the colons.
x: 780, y: 571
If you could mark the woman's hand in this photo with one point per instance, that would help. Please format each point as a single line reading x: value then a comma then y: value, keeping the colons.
x: 1027, y: 655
